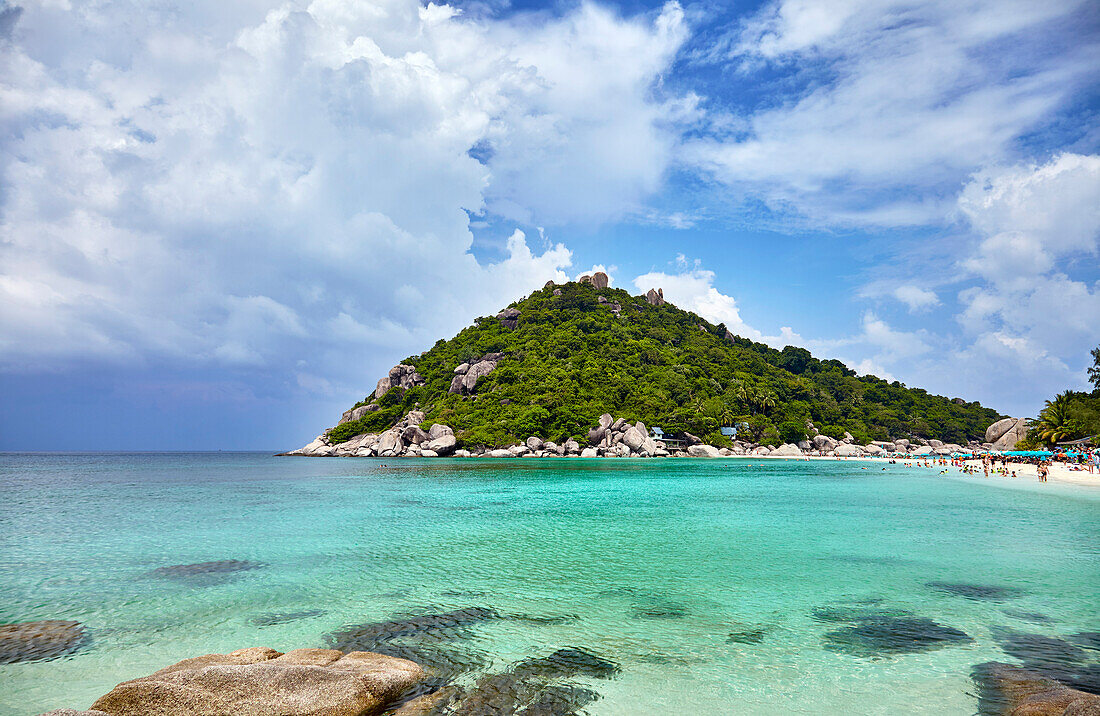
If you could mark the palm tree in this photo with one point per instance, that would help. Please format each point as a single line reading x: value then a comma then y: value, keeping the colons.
x: 766, y: 401
x: 1054, y: 419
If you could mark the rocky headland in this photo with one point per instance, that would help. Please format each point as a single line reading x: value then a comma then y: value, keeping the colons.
x: 579, y: 369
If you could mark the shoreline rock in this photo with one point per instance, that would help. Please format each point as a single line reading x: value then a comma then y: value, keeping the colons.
x: 303, y: 682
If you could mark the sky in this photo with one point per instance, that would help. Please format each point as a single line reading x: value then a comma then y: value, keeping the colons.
x: 221, y: 223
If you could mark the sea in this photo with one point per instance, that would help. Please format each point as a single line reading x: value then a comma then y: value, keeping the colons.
x: 714, y: 586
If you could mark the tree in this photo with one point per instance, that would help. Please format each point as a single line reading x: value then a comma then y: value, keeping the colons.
x: 1054, y: 420
x: 1094, y: 371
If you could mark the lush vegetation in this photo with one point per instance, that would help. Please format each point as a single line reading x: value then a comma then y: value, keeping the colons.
x: 570, y: 359
x: 1071, y: 415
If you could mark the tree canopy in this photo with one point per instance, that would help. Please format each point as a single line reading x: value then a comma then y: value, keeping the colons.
x: 570, y: 359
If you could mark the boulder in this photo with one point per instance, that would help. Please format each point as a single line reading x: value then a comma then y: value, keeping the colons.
x: 413, y: 435
x: 805, y: 445
x: 599, y: 280
x: 848, y: 450
x: 519, y: 450
x: 428, y: 453
x: 390, y: 441
x: 1015, y: 433
x: 311, y: 449
x: 873, y: 449
x: 356, y: 413
x: 633, y: 438
x: 572, y: 446
x: 935, y: 443
x: 787, y: 450
x: 457, y: 383
x: 606, y: 420
x: 691, y: 439
x: 848, y: 437
x: 313, y: 682
x: 649, y: 447
x: 596, y: 435
x: 401, y: 375
x: 534, y: 443
x: 477, y: 370
x: 924, y: 450
x: 552, y: 447
x: 655, y: 297
x: 618, y: 425
x: 462, y: 368
x: 36, y: 641
x: 1018, y: 691
x: 557, y: 291
x: 442, y: 445
x: 588, y: 452
x: 509, y: 317
x: 414, y: 417
x: 702, y: 451
x: 498, y: 453
x: 994, y: 432
x: 438, y: 430
x: 462, y: 453
x: 824, y: 442
x: 901, y: 444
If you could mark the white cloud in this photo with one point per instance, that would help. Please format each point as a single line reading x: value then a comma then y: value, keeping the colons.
x: 916, y: 298
x: 693, y: 290
x: 288, y: 184
x: 893, y: 103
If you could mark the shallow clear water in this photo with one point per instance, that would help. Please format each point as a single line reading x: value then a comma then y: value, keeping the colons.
x: 659, y: 560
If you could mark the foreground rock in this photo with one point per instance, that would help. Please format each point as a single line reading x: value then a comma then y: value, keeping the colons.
x: 1006, y: 690
x: 35, y: 641
x: 313, y: 682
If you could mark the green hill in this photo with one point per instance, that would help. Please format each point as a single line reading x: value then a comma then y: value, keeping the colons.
x: 575, y: 351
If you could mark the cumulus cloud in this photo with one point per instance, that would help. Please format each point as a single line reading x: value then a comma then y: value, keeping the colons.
x: 693, y: 290
x: 285, y: 185
x: 916, y: 298
x: 885, y: 106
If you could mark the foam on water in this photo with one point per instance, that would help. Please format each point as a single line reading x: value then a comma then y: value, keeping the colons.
x: 717, y: 586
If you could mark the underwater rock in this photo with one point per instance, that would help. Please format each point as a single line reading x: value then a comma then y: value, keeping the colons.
x: 206, y: 574
x: 1038, y: 650
x: 569, y: 662
x: 856, y: 614
x: 888, y: 636
x: 1026, y: 616
x: 1006, y: 690
x: 748, y: 636
x: 1087, y: 639
x: 304, y: 682
x: 560, y: 700
x: 36, y: 641
x: 660, y: 611
x: 544, y: 621
x: 275, y: 618
x: 977, y: 592
x: 420, y: 624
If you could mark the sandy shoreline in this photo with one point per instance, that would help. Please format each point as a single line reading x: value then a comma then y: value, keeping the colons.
x: 1059, y: 472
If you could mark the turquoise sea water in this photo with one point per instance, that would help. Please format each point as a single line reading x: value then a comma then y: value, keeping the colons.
x: 659, y: 561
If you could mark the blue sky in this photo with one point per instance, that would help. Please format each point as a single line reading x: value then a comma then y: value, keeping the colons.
x: 221, y: 223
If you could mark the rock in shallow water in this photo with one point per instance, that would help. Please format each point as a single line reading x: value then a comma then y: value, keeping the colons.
x: 34, y: 641
x: 419, y: 624
x: 1006, y: 690
x: 888, y: 636
x: 206, y: 574
x: 313, y: 682
x: 276, y: 618
x: 977, y: 592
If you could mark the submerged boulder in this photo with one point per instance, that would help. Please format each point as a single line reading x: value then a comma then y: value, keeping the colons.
x: 313, y: 682
x: 35, y: 641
